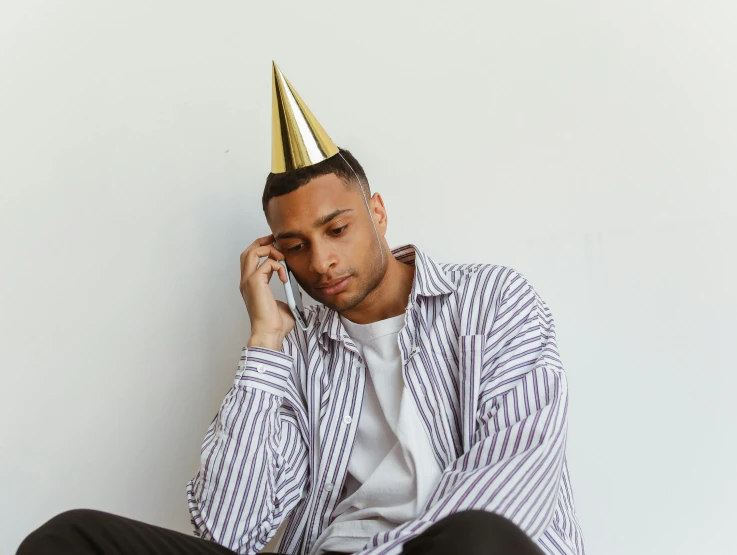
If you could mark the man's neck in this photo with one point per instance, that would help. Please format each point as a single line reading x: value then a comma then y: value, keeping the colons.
x: 389, y: 299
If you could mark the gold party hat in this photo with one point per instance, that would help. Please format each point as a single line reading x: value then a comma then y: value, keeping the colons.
x: 297, y: 138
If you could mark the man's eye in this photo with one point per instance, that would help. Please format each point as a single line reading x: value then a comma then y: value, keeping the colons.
x: 338, y: 230
x: 294, y: 249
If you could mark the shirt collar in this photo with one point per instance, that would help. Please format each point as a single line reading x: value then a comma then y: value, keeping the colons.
x: 429, y: 280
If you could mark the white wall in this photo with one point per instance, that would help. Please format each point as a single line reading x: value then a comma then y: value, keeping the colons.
x: 591, y: 145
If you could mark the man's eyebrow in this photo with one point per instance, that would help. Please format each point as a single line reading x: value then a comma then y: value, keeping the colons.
x: 319, y: 222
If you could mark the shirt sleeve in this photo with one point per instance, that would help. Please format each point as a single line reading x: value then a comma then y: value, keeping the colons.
x: 253, y: 465
x: 514, y: 465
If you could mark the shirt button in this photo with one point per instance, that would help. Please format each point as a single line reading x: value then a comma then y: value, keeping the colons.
x: 347, y: 419
x: 260, y: 369
x: 328, y: 487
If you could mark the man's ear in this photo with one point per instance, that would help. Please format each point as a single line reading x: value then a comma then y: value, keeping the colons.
x: 378, y: 212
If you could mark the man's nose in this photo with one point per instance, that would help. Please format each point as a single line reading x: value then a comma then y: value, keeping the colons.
x: 321, y: 260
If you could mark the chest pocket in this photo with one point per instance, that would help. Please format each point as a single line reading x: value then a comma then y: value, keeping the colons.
x: 448, y: 385
x: 432, y: 377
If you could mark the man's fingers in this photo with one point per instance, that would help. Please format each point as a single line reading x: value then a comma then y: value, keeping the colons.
x: 265, y: 240
x: 258, y: 242
x: 251, y: 256
x: 268, y: 267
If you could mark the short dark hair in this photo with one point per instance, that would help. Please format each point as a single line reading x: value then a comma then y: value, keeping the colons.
x: 278, y: 184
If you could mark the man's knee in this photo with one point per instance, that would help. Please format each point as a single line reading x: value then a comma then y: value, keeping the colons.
x: 480, y: 522
x: 56, y: 535
x: 473, y: 532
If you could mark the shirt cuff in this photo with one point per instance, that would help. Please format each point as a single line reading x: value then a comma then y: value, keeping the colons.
x: 264, y: 369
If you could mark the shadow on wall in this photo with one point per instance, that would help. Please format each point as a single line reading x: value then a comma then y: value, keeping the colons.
x: 271, y: 546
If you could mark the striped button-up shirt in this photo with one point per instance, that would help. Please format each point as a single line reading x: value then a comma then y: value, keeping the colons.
x: 479, y: 356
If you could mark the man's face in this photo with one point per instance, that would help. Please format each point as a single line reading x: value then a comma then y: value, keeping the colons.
x: 326, y: 235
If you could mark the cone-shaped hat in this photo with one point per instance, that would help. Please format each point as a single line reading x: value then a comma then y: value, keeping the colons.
x: 297, y: 138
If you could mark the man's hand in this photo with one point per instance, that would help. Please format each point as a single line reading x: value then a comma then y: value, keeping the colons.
x: 271, y: 320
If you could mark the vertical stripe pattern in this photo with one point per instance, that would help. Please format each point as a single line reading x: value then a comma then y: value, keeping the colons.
x: 480, y: 358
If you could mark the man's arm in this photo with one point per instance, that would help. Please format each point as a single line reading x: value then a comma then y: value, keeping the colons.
x: 253, y: 467
x: 514, y: 466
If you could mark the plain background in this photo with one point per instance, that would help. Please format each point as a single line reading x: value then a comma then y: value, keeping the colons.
x: 590, y: 145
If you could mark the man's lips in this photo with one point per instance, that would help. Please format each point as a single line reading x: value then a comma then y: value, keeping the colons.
x: 333, y: 286
x: 330, y: 283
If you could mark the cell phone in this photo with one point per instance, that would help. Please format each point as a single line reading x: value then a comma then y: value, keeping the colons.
x: 294, y: 298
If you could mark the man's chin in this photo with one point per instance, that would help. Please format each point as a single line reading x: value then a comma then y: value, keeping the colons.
x: 341, y: 302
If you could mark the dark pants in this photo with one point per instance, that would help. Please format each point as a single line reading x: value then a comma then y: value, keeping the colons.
x: 89, y: 532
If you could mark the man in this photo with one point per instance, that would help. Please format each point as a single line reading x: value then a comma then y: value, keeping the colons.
x: 422, y: 411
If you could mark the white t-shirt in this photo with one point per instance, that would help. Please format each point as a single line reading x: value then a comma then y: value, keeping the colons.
x: 392, y: 470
